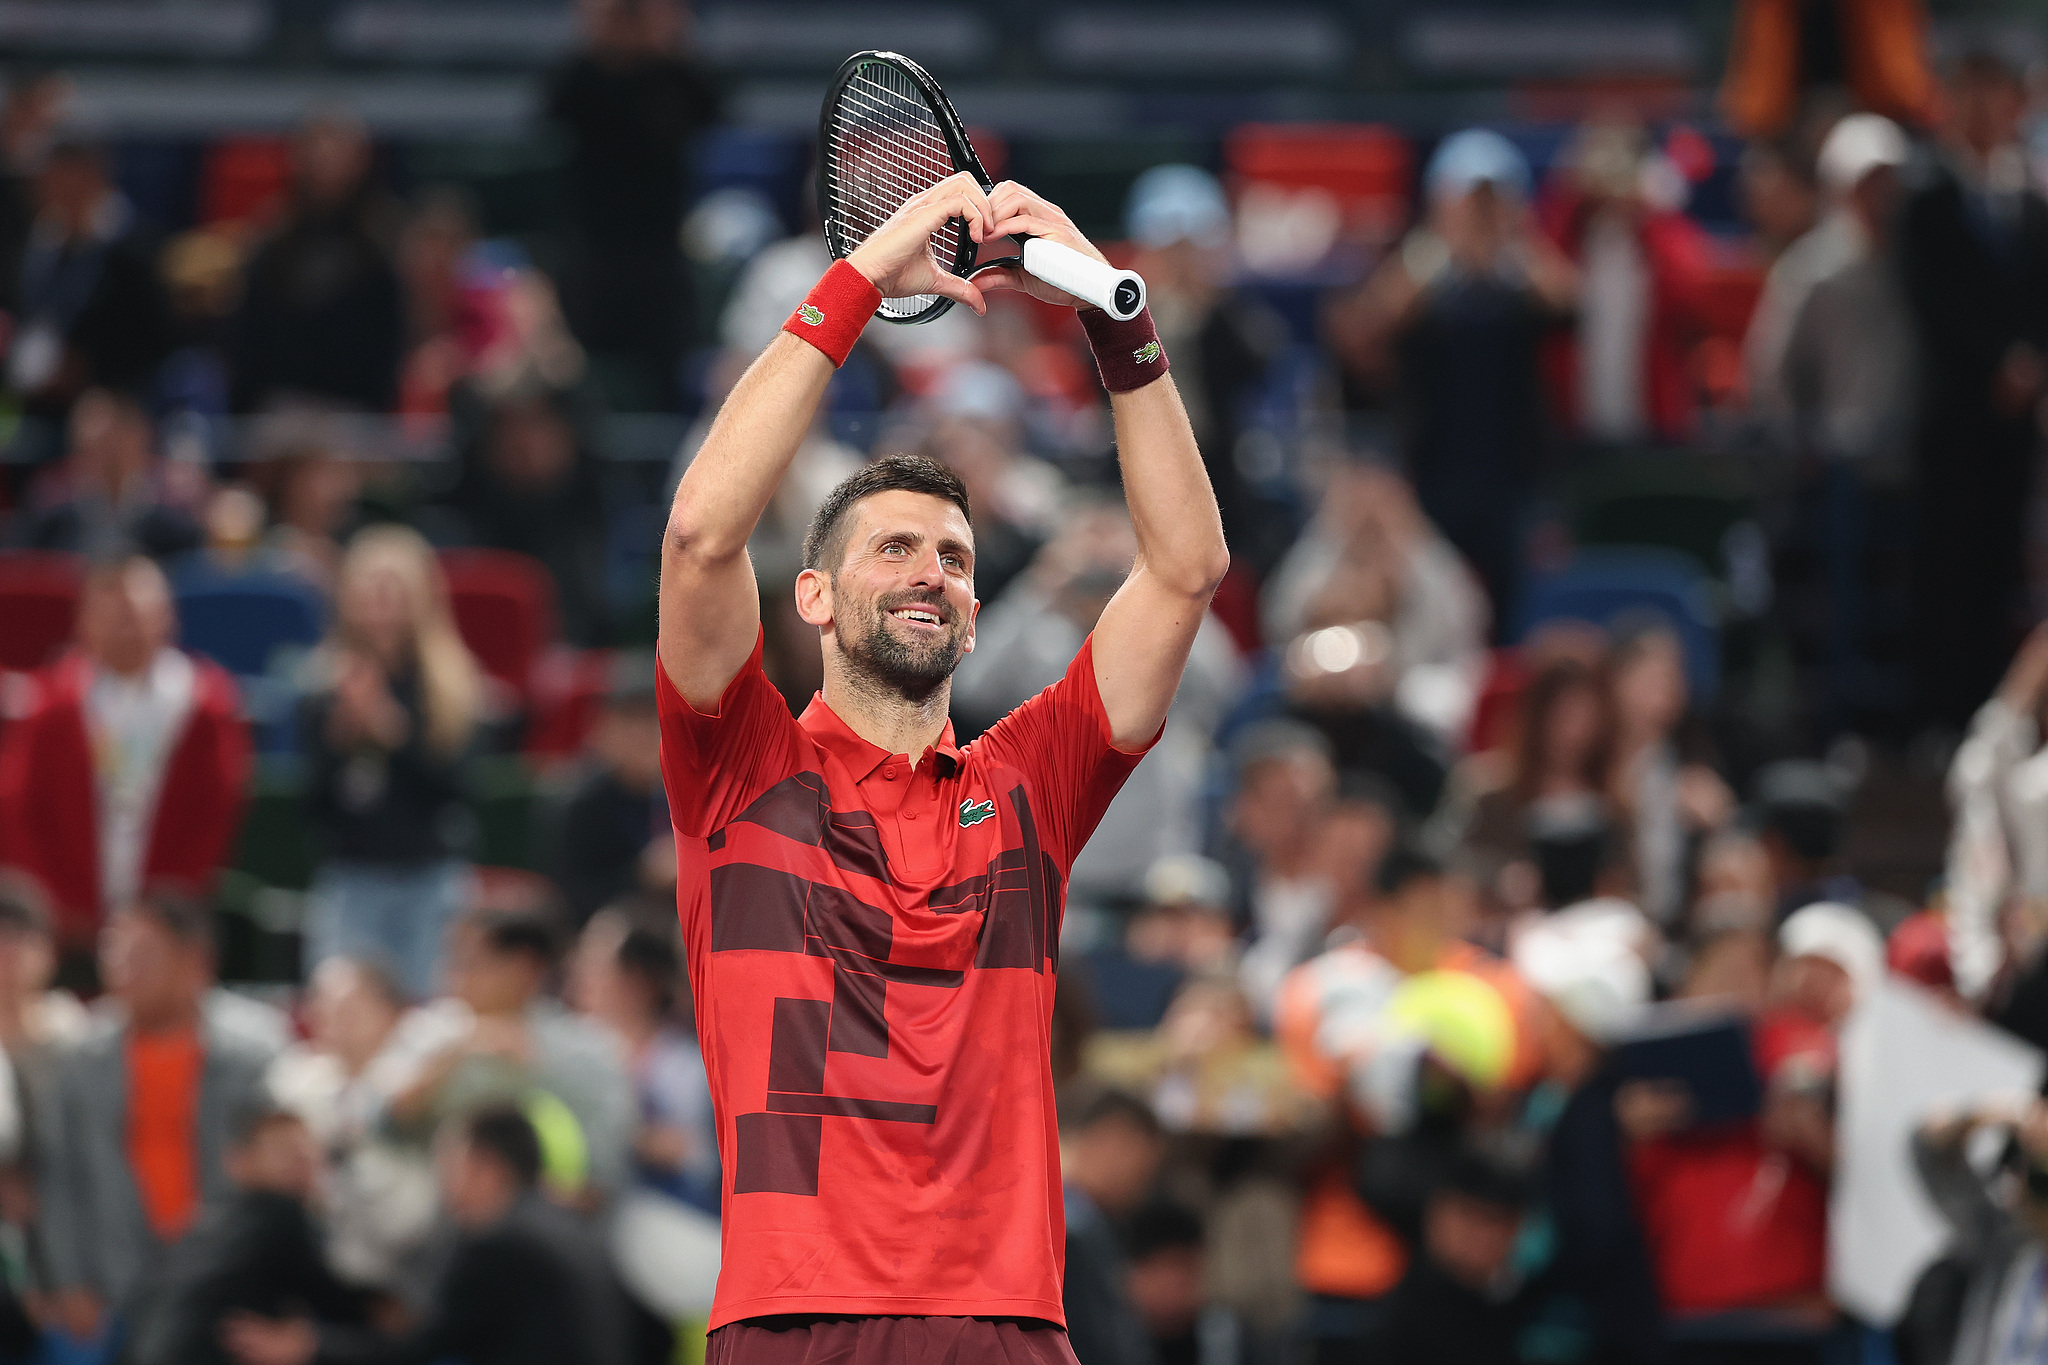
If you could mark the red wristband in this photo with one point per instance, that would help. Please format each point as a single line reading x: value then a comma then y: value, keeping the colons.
x: 833, y: 314
x: 1126, y: 353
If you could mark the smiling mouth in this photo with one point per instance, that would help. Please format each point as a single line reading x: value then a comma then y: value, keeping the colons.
x: 919, y: 616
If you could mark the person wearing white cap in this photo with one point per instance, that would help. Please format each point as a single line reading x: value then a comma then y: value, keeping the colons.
x: 1452, y: 320
x: 1841, y: 394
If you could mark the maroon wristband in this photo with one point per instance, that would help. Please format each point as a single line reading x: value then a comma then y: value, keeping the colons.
x: 833, y: 314
x: 1127, y: 353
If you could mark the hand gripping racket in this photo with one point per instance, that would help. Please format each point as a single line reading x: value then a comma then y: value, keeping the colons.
x: 886, y: 133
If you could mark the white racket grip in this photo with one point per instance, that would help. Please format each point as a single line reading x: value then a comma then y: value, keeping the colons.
x: 1119, y: 293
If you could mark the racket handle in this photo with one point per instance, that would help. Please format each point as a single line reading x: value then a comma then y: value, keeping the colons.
x: 1119, y: 293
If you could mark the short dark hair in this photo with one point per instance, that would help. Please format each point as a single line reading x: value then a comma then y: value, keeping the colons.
x: 1111, y: 1105
x: 24, y: 908
x: 252, y: 1120
x: 826, y: 540
x: 178, y: 913
x: 1402, y: 864
x: 650, y: 956
x: 504, y: 1133
x: 519, y: 931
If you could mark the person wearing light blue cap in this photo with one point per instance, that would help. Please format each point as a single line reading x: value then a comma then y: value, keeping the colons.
x: 1221, y: 338
x: 1450, y: 325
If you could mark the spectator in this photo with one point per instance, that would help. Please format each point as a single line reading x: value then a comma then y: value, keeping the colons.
x: 257, y: 1251
x: 524, y: 1285
x: 1165, y: 1279
x: 311, y: 494
x: 1458, y: 1302
x: 1453, y: 321
x: 1110, y: 1150
x: 978, y: 411
x: 1998, y: 1239
x: 497, y: 1036
x: 1628, y: 376
x: 385, y: 733
x: 322, y: 320
x: 1338, y: 1023
x: 1285, y: 786
x: 630, y: 104
x: 1801, y: 810
x: 1779, y: 197
x: 1998, y: 847
x: 529, y: 485
x: 130, y: 768
x: 144, y: 1119
x: 1181, y: 930
x: 377, y: 1192
x: 1224, y: 340
x: 1848, y: 379
x: 1547, y: 822
x: 1025, y: 641
x: 626, y: 977
x: 613, y: 834
x: 1666, y: 797
x: 88, y: 310
x: 1770, y: 1263
x: 1585, y: 968
x: 1370, y: 556
x: 1973, y: 246
x: 1786, y: 57
x: 113, y: 494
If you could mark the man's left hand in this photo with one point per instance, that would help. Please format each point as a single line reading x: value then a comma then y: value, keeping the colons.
x: 1019, y: 212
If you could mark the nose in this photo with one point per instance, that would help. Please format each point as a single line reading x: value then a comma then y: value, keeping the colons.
x: 926, y: 571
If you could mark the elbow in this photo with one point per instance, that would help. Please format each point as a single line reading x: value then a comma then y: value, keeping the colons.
x: 1197, y: 575
x: 689, y: 538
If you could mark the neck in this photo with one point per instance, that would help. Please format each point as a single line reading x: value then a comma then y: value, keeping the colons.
x: 884, y: 717
x: 175, y: 1019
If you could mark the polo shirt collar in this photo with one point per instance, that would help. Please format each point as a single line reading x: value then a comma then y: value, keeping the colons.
x: 858, y: 756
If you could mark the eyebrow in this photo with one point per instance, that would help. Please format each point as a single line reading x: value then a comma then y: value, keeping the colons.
x: 947, y: 544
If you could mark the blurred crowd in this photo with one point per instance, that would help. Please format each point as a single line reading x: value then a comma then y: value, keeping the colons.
x: 1467, y: 975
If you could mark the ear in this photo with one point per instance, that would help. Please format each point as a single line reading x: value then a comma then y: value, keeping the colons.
x: 814, y: 598
x: 973, y: 614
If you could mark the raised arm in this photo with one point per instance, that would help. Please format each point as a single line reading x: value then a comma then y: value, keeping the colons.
x: 1144, y: 635
x: 710, y: 603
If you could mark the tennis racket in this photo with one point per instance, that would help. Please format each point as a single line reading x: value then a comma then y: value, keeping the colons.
x: 888, y: 132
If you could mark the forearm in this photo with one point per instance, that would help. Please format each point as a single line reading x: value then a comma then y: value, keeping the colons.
x: 1173, y: 509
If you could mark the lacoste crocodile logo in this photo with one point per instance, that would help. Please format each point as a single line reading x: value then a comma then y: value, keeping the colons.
x: 974, y: 812
x: 1147, y: 353
x: 811, y: 313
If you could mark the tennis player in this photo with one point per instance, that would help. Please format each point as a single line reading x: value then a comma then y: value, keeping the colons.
x: 872, y: 912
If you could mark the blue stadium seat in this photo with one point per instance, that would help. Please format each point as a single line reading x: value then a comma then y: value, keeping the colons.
x: 240, y: 621
x: 1600, y: 585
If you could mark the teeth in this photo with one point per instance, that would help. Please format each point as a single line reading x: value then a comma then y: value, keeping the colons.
x: 914, y: 614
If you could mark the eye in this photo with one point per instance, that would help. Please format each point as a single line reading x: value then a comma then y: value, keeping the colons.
x: 954, y: 562
x: 895, y: 547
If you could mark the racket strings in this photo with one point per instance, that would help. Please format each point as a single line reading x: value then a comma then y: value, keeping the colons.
x: 885, y: 146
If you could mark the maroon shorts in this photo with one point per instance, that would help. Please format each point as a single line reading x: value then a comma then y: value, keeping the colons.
x: 807, y: 1339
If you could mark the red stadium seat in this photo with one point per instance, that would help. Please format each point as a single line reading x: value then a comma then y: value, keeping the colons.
x: 39, y: 603
x: 244, y: 179
x: 1369, y: 169
x: 504, y: 606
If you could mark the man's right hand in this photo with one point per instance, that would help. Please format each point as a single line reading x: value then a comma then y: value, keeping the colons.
x: 897, y: 256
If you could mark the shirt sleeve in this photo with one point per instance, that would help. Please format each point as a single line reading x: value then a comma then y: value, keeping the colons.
x: 1060, y: 741
x: 713, y: 766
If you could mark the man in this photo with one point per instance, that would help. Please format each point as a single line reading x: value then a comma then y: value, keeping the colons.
x: 1973, y: 253
x: 84, y: 294
x: 258, y: 1250
x: 144, y: 1109
x: 611, y: 833
x: 113, y: 493
x: 1110, y: 1151
x: 130, y: 768
x: 524, y: 1286
x: 498, y: 1036
x: 871, y: 912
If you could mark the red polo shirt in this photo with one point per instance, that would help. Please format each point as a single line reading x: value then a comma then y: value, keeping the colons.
x: 871, y: 947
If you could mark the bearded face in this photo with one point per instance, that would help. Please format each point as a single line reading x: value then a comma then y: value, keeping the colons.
x: 908, y: 641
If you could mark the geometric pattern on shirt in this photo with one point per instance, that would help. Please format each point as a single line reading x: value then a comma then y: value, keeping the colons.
x: 767, y: 909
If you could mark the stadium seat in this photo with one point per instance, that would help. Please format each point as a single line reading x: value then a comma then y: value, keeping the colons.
x: 39, y: 603
x: 1668, y: 500
x: 1601, y: 585
x: 1366, y: 168
x: 504, y: 605
x: 241, y: 621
